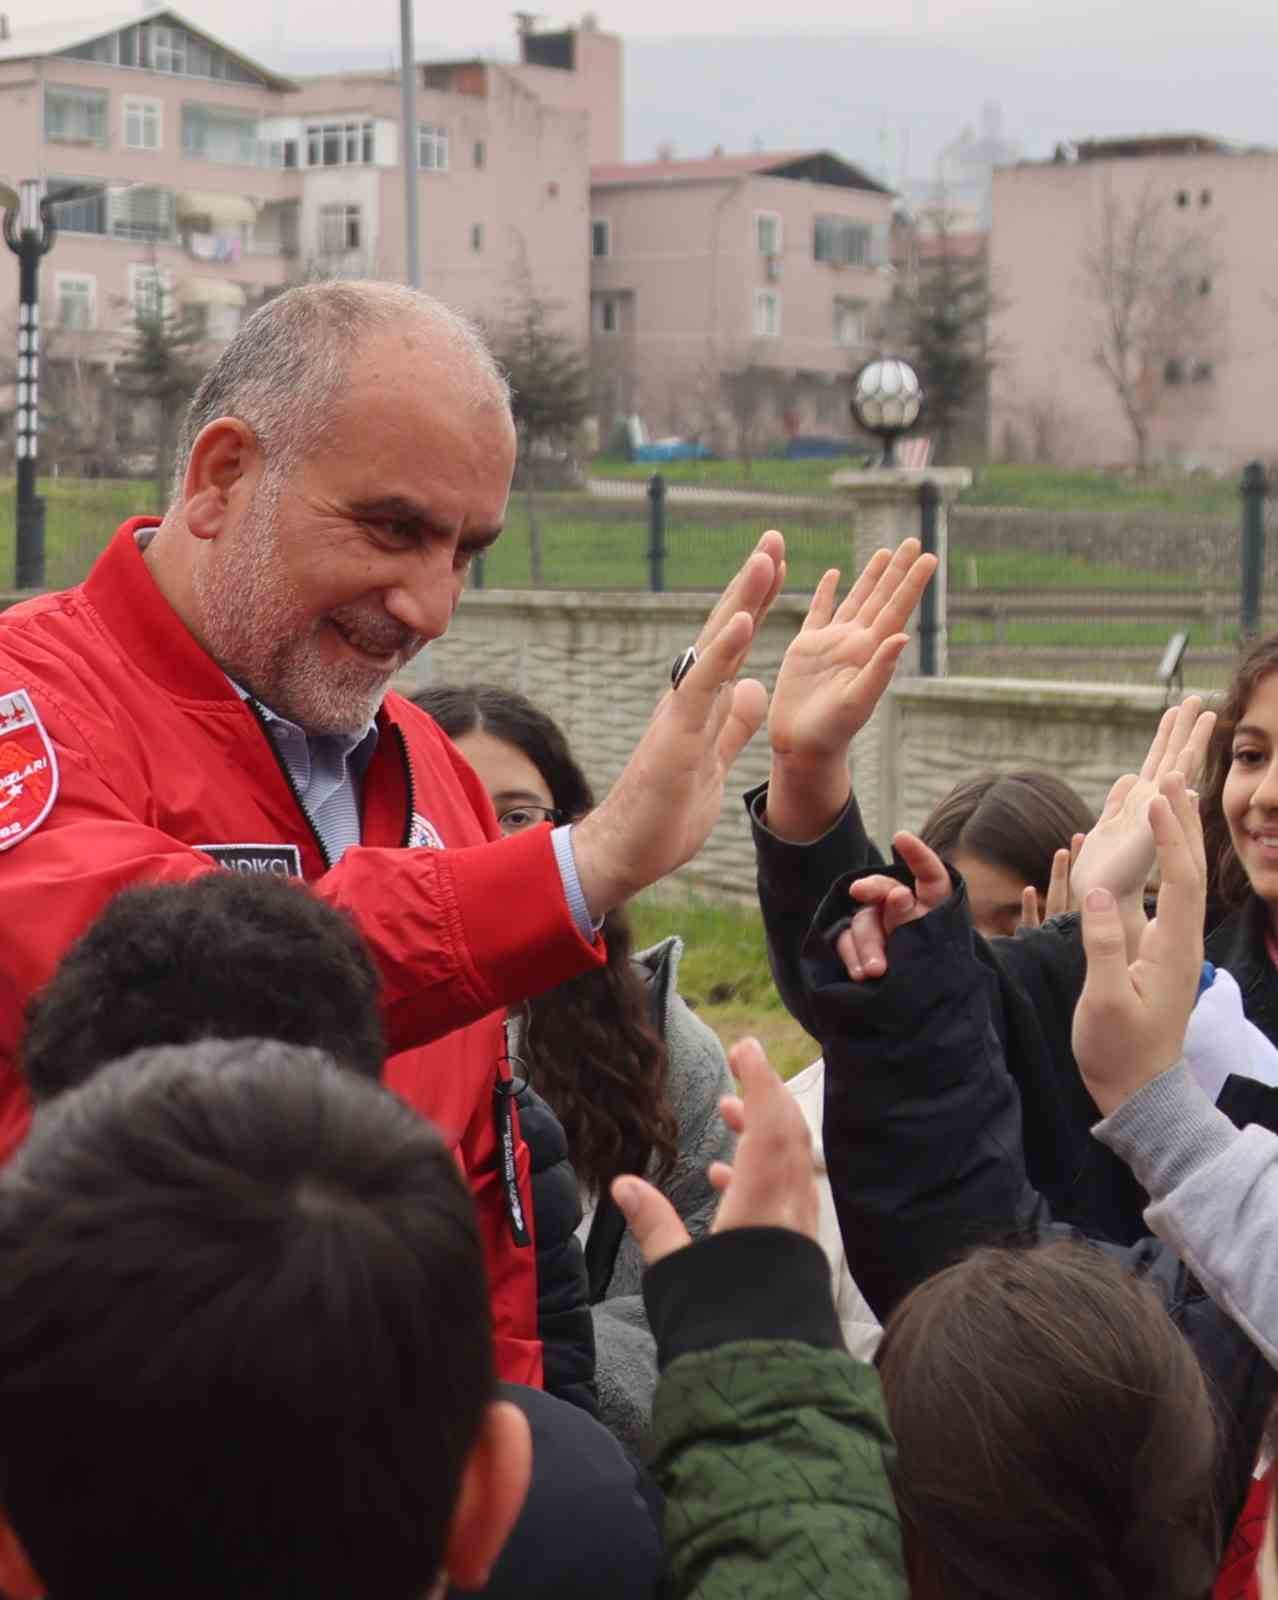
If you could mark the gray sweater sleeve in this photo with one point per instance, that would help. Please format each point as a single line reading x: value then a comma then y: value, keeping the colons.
x: 1214, y: 1194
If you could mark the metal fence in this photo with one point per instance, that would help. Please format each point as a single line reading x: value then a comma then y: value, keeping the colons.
x: 625, y: 536
x: 1102, y: 596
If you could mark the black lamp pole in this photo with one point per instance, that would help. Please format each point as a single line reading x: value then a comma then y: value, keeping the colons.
x: 29, y: 232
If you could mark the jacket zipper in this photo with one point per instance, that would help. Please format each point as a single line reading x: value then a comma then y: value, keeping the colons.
x: 292, y: 785
x: 402, y: 742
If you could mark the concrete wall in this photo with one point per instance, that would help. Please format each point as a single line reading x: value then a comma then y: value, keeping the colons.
x: 599, y: 663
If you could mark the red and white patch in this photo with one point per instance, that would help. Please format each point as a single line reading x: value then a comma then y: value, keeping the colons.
x: 28, y: 769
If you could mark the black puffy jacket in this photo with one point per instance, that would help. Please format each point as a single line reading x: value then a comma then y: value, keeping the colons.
x: 564, y: 1322
x: 922, y: 1131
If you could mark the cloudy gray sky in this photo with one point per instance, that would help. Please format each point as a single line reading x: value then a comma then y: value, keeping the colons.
x: 885, y: 85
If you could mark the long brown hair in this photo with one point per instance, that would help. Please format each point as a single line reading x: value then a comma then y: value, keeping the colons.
x: 1054, y: 1434
x: 1227, y: 878
x: 590, y: 1043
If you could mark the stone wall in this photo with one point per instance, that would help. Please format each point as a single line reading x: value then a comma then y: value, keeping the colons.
x: 598, y: 664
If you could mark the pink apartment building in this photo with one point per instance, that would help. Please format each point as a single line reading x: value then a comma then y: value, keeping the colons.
x: 221, y: 181
x: 735, y: 295
x: 1211, y: 382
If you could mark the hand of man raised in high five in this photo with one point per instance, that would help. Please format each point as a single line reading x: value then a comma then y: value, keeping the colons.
x: 661, y: 809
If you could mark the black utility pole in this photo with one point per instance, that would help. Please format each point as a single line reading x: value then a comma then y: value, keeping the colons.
x: 29, y: 232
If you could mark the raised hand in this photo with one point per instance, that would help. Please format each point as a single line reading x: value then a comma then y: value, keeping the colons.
x: 1129, y: 1024
x: 886, y: 905
x: 770, y: 1184
x: 831, y: 678
x: 1118, y: 854
x: 662, y: 807
x: 1059, y: 896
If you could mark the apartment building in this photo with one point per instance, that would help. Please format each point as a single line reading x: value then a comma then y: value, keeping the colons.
x: 733, y: 297
x: 1179, y: 215
x: 217, y: 181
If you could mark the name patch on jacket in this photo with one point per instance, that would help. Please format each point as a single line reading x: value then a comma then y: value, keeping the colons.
x: 281, y: 860
x: 28, y: 769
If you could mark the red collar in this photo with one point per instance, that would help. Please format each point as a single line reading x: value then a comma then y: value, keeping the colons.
x: 150, y: 633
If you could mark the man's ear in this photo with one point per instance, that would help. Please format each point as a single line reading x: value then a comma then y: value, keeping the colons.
x: 18, y: 1580
x: 224, y: 454
x: 493, y: 1488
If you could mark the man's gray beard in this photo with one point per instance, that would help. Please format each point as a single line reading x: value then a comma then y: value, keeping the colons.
x: 240, y: 594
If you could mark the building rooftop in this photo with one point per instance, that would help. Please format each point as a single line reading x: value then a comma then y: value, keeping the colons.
x: 25, y: 43
x: 811, y: 166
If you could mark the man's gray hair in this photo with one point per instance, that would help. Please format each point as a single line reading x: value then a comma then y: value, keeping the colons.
x: 283, y: 371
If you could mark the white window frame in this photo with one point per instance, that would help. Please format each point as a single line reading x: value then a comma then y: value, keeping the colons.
x: 140, y: 273
x: 606, y: 224
x: 767, y: 318
x: 844, y: 307
x: 356, y: 134
x: 432, y: 147
x: 169, y: 42
x: 336, y: 219
x: 151, y: 111
x: 101, y: 102
x: 773, y: 219
x: 606, y: 309
x: 85, y: 280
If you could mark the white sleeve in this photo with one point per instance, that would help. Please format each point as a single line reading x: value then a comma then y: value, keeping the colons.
x: 1220, y: 1040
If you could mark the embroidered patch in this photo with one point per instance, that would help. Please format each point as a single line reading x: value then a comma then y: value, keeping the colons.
x: 281, y: 860
x: 424, y: 832
x: 28, y: 769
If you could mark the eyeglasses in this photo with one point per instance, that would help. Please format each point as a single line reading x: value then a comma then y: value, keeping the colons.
x: 520, y: 817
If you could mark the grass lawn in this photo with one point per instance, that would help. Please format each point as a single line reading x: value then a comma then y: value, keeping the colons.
x: 81, y: 514
x: 724, y: 975
x: 1029, y: 487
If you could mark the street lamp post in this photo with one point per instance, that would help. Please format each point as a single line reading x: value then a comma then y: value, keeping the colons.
x: 29, y: 231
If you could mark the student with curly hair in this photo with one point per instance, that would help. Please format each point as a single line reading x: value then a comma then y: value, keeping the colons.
x: 633, y: 1075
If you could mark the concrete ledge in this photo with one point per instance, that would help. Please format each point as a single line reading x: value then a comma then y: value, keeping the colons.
x: 1030, y: 694
x: 607, y: 603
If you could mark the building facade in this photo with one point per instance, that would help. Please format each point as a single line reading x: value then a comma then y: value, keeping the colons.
x: 732, y: 298
x: 1159, y: 236
x: 214, y: 182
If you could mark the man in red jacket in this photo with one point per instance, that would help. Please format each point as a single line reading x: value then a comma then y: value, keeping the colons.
x: 215, y: 695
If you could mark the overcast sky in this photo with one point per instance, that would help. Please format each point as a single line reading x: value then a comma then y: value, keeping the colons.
x: 858, y: 78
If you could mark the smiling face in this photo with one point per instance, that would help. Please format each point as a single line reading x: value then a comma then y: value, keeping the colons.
x: 321, y: 586
x: 1250, y: 797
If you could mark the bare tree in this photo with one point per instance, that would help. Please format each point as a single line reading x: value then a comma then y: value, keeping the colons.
x: 1157, y: 322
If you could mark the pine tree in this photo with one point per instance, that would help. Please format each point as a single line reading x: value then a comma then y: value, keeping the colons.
x: 160, y: 368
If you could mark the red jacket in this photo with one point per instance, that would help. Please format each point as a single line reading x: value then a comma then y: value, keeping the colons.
x: 157, y: 756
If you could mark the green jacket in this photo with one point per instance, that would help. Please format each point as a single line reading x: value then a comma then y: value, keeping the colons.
x: 771, y: 1447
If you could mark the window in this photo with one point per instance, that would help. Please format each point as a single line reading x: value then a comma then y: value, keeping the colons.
x: 481, y: 155
x: 842, y: 243
x: 432, y: 148
x: 141, y: 124
x: 607, y: 319
x: 77, y: 297
x: 600, y: 238
x: 477, y: 237
x: 339, y: 144
x: 225, y: 136
x: 75, y: 116
x: 143, y: 213
x: 88, y: 215
x: 1173, y: 370
x: 849, y: 323
x: 339, y: 230
x: 1201, y: 372
x: 767, y: 314
x: 1204, y: 199
x: 168, y: 48
x: 767, y: 233
x: 148, y: 290
x: 1182, y: 197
